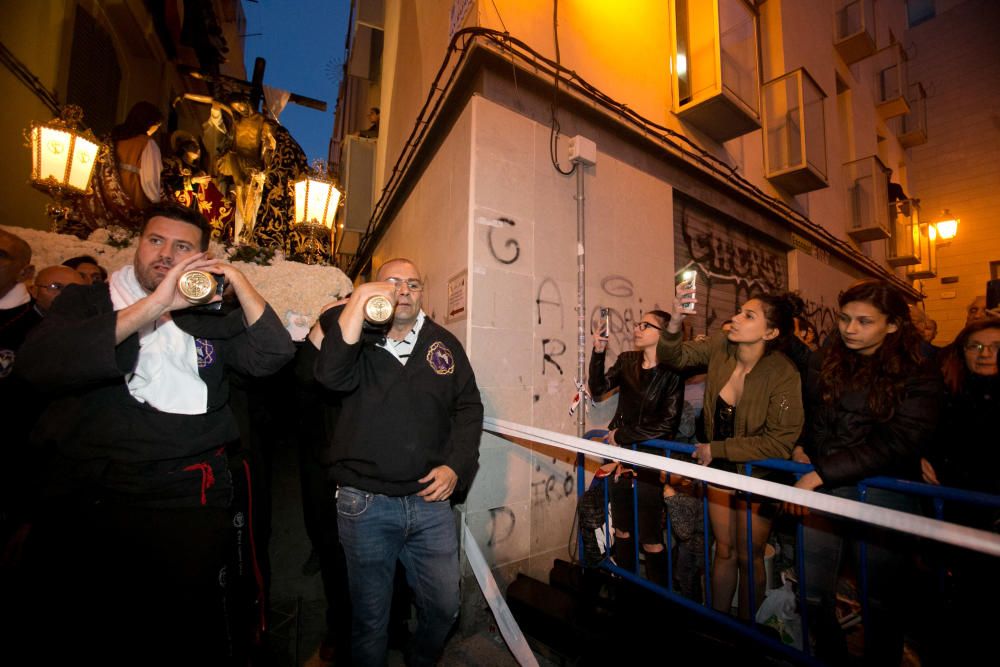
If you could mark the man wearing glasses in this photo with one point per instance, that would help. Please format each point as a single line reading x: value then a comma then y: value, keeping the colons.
x: 407, y: 439
x: 49, y: 284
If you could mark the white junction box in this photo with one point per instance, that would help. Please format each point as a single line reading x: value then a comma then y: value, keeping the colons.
x: 582, y: 150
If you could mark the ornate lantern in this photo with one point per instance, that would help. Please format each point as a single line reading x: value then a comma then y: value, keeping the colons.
x: 316, y: 202
x: 62, y: 154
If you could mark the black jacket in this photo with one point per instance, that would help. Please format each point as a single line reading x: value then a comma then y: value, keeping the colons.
x: 99, y: 441
x: 650, y: 414
x: 846, y: 442
x: 398, y: 422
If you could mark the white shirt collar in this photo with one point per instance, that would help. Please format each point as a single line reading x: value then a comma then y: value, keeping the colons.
x: 15, y: 296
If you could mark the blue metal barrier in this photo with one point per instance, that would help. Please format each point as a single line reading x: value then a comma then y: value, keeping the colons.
x: 937, y: 494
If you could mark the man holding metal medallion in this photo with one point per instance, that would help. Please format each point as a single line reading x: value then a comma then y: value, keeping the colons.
x: 406, y: 441
x: 130, y: 544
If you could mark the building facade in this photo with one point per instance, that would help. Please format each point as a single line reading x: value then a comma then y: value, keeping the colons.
x: 767, y: 145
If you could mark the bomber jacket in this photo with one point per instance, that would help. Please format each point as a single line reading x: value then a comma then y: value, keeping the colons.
x: 769, y: 416
x: 397, y: 422
x: 847, y: 443
x: 642, y: 414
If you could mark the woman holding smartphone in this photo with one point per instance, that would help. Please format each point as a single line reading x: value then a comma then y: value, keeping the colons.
x: 650, y: 402
x: 753, y: 410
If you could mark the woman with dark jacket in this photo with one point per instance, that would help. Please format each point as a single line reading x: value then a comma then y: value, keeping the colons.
x: 872, y: 407
x: 650, y: 402
x: 753, y: 411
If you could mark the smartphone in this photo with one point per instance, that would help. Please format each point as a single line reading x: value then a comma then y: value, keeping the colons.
x: 605, y: 322
x: 689, y: 280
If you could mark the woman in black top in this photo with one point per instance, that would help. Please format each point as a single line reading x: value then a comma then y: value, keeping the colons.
x: 872, y: 407
x: 650, y: 402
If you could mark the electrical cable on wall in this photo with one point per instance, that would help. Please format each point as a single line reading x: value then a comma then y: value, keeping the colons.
x: 554, y: 122
x: 678, y: 144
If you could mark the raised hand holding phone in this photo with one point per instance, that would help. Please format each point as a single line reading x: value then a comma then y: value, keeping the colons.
x: 601, y: 335
x: 685, y: 300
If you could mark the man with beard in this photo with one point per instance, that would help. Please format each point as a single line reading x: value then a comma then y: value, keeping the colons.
x: 130, y: 543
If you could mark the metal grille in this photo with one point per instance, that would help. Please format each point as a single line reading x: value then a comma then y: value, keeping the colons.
x: 94, y: 75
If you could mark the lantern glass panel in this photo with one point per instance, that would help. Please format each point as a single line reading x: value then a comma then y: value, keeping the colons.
x: 54, y: 151
x: 84, y: 156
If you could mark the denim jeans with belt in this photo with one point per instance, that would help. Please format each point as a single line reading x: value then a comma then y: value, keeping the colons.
x: 375, y: 531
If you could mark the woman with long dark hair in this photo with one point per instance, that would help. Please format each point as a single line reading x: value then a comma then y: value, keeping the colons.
x: 752, y: 410
x: 650, y: 402
x: 872, y: 406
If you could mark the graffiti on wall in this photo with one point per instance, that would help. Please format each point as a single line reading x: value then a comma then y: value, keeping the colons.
x: 733, y: 265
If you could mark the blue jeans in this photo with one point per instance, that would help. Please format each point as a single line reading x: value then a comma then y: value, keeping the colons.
x: 888, y: 563
x: 375, y: 531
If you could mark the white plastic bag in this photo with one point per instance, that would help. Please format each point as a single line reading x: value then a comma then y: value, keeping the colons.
x: 779, y: 611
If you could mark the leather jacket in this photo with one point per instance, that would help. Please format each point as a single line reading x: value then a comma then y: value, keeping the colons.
x: 650, y: 414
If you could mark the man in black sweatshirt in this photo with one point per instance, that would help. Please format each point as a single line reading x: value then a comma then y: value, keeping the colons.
x: 407, y: 439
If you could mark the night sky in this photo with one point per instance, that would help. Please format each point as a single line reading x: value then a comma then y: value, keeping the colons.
x: 303, y: 43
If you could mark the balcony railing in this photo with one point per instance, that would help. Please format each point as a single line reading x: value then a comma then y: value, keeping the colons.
x: 913, y: 124
x: 903, y: 246
x: 794, y: 133
x: 868, y: 189
x: 927, y: 240
x: 890, y: 81
x: 714, y: 66
x: 854, y: 29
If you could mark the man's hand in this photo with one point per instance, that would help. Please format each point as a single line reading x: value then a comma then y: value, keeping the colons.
x: 353, y: 316
x: 442, y: 481
x: 251, y: 301
x: 164, y: 299
x: 610, y: 438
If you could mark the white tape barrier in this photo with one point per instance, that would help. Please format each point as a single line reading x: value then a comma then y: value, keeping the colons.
x: 511, y: 632
x: 942, y: 531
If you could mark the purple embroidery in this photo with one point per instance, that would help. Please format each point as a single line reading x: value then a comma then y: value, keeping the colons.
x: 440, y: 359
x: 206, y: 352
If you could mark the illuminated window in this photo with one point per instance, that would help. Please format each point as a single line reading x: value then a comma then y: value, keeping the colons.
x: 714, y: 66
x: 795, y: 133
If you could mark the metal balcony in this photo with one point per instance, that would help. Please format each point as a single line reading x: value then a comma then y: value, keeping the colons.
x: 854, y: 29
x: 890, y: 81
x: 903, y: 245
x: 794, y: 133
x: 868, y: 190
x: 913, y: 124
x: 714, y: 66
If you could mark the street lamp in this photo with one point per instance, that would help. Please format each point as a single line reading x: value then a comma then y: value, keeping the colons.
x: 947, y: 226
x: 63, y: 156
x: 316, y: 202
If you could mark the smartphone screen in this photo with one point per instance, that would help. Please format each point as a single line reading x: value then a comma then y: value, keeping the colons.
x: 605, y: 322
x: 689, y: 280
